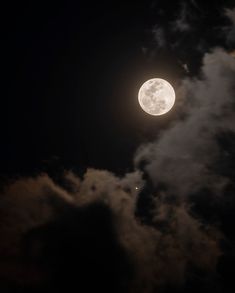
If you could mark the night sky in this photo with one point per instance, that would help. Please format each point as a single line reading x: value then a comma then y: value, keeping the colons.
x: 95, y: 194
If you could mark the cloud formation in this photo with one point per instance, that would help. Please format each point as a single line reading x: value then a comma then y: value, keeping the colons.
x: 188, y: 36
x: 183, y: 155
x: 62, y: 229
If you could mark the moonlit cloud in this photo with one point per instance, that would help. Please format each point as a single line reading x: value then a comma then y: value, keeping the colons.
x: 182, y: 156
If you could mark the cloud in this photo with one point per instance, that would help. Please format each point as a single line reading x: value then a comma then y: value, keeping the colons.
x: 182, y: 156
x: 159, y: 36
x: 187, y: 36
x: 27, y: 203
x: 171, y: 35
x: 181, y: 23
x: 91, y: 235
x: 80, y: 250
x: 160, y: 255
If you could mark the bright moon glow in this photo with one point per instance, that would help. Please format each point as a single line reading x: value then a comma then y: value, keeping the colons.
x: 156, y: 96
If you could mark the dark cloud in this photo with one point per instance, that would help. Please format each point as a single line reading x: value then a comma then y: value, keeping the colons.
x: 181, y: 23
x: 230, y: 30
x: 80, y: 250
x: 189, y: 32
x: 91, y: 237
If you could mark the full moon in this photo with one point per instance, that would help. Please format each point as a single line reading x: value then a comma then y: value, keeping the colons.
x: 156, y: 96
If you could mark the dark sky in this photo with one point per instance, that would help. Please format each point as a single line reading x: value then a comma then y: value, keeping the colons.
x: 73, y: 71
x: 95, y: 193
